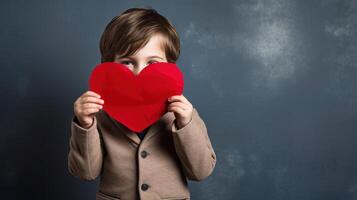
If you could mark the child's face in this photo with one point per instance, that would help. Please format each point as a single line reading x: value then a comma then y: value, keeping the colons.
x: 150, y: 53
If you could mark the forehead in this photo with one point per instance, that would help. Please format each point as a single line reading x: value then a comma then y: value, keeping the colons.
x: 156, y: 42
x: 155, y: 46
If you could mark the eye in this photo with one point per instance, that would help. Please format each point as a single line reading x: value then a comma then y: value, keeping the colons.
x: 152, y: 61
x: 126, y: 62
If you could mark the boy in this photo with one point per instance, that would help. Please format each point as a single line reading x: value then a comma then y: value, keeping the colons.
x: 155, y: 163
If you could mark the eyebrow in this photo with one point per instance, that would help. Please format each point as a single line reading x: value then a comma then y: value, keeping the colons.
x: 156, y: 57
x: 148, y: 57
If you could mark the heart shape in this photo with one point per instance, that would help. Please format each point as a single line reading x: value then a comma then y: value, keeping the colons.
x: 136, y: 101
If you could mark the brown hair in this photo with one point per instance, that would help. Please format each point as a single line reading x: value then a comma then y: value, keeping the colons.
x: 127, y: 33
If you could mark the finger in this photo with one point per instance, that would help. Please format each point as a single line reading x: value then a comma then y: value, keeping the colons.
x: 180, y: 104
x: 176, y: 110
x: 90, y: 99
x: 90, y: 111
x: 91, y: 93
x: 91, y: 105
x: 176, y: 98
x: 181, y: 98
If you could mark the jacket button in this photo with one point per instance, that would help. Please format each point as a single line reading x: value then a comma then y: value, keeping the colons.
x: 144, y: 187
x: 144, y: 154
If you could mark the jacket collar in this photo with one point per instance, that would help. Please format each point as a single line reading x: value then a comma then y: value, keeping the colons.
x: 163, y: 122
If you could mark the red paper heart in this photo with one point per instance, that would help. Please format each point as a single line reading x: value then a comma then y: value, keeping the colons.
x: 136, y: 101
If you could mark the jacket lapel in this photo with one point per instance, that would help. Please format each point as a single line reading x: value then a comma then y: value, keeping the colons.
x: 157, y: 126
x: 152, y: 130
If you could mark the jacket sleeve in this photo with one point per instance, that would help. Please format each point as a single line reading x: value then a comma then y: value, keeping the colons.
x: 194, y: 148
x: 86, y: 152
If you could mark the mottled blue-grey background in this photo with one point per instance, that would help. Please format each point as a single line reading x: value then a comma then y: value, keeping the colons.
x: 274, y: 80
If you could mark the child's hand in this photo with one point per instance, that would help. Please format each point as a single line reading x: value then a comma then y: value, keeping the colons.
x: 86, y: 106
x: 182, y: 109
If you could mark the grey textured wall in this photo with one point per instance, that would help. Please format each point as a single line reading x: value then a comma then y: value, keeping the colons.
x: 274, y: 80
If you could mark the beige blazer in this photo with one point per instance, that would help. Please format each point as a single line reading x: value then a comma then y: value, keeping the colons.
x: 130, y: 169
